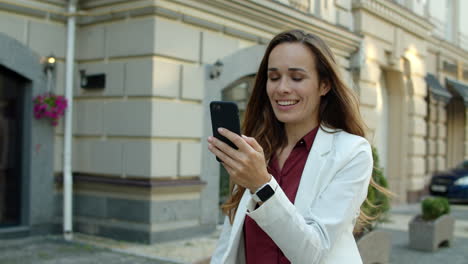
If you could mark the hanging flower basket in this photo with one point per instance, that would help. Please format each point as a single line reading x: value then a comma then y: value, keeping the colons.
x: 50, y: 106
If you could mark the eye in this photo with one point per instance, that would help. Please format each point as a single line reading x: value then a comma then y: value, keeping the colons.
x: 273, y: 78
x: 297, y: 79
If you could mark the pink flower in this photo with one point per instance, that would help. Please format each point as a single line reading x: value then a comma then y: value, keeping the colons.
x: 49, y: 106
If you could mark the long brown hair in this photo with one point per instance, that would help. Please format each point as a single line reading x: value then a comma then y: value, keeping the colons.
x: 339, y: 108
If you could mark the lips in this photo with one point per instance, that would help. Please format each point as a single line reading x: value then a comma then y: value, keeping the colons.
x: 287, y: 102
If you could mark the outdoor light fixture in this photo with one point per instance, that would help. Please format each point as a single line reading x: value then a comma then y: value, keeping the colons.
x: 93, y: 81
x: 49, y: 63
x: 216, y: 69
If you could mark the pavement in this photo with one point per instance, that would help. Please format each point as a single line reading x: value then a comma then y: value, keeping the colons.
x: 89, y: 249
x: 400, y: 216
x: 50, y: 249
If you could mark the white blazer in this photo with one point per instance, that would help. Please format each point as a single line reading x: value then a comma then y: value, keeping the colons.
x: 318, y: 227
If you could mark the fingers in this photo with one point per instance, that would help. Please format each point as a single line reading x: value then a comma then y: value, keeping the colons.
x: 253, y: 143
x: 234, y: 138
x: 223, y: 147
x: 220, y: 154
x: 228, y: 168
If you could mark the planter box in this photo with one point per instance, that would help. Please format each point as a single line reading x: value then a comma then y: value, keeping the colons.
x: 375, y: 247
x: 430, y: 235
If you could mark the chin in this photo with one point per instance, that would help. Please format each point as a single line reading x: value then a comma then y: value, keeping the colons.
x: 287, y: 119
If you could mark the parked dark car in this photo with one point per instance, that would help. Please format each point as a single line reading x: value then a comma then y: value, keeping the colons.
x: 452, y: 184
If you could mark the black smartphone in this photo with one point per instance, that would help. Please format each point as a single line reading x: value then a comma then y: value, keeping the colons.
x: 225, y: 115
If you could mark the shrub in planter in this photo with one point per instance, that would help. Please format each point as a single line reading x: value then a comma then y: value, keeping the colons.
x: 434, y: 227
x: 434, y: 207
x: 375, y: 245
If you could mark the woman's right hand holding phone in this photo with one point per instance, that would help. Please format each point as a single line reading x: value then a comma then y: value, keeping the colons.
x: 246, y: 165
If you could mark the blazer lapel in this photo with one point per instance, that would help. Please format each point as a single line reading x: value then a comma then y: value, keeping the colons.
x: 307, y: 190
x: 238, y: 224
x: 309, y: 185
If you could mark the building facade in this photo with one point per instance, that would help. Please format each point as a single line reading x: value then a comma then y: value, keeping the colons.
x: 141, y: 167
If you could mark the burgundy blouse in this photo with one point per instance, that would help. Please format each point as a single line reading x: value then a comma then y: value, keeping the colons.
x: 259, y: 247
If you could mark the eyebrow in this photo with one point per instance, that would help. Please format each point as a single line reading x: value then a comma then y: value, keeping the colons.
x: 289, y: 69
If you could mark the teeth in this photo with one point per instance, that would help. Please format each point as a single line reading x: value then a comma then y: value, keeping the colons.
x: 287, y: 102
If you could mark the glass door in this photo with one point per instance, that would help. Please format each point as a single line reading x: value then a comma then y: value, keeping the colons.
x: 238, y: 92
x: 11, y: 106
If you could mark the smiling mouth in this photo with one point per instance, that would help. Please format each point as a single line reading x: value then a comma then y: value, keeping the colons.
x: 287, y: 102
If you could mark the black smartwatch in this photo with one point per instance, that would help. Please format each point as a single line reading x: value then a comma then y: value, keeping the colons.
x: 266, y: 191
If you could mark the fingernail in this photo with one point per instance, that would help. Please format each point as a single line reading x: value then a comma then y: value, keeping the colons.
x: 220, y: 129
x: 210, y: 139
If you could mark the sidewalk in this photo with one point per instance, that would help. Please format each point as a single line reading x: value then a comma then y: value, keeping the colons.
x: 401, y: 253
x: 52, y: 249
x: 181, y: 251
x: 89, y: 249
x: 402, y: 215
x: 86, y: 249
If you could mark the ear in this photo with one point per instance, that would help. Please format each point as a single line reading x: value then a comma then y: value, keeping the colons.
x: 324, y: 87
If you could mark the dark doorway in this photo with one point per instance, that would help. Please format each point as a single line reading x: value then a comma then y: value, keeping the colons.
x: 12, y: 88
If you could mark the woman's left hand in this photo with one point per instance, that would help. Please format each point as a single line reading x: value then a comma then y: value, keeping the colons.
x: 246, y: 165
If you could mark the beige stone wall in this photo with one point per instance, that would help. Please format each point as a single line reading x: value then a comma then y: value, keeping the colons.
x: 395, y: 43
x: 45, y: 34
x: 399, y: 53
x: 437, y: 16
x: 441, y: 143
x: 443, y: 61
x: 466, y: 134
x: 417, y: 114
x: 148, y: 118
x: 436, y: 138
x: 152, y: 98
x: 147, y: 121
x: 462, y: 22
x: 431, y: 138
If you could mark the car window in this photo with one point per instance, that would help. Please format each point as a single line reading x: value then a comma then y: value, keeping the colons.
x: 463, y: 165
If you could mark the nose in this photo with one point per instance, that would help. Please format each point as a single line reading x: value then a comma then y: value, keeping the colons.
x: 283, y: 86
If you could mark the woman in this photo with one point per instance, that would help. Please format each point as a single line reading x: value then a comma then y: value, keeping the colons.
x: 301, y: 176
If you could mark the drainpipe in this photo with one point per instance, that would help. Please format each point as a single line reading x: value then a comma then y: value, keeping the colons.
x: 67, y: 150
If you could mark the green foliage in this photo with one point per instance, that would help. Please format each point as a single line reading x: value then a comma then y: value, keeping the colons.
x: 377, y: 204
x: 434, y: 207
x: 223, y: 185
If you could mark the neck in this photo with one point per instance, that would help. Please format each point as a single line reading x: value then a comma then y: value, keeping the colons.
x: 294, y: 132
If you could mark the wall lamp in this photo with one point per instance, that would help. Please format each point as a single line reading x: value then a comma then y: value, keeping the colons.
x: 49, y: 63
x: 92, y: 81
x: 216, y: 69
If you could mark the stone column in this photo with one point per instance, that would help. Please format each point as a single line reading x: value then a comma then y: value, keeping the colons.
x: 369, y: 76
x: 417, y: 127
x: 466, y: 133
x: 431, y: 139
x: 441, y: 145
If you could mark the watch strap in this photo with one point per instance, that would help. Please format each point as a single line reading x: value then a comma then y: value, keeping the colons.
x: 265, y: 191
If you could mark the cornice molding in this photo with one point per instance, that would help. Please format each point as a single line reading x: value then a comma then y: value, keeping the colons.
x: 256, y: 20
x: 42, y: 10
x: 397, y: 15
x: 281, y: 17
x: 447, y: 50
x: 253, y: 20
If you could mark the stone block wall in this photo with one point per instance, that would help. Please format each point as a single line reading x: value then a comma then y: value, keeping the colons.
x: 153, y: 93
x: 466, y: 134
x: 146, y: 124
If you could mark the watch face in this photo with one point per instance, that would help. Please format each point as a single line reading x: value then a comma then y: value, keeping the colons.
x: 265, y: 193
